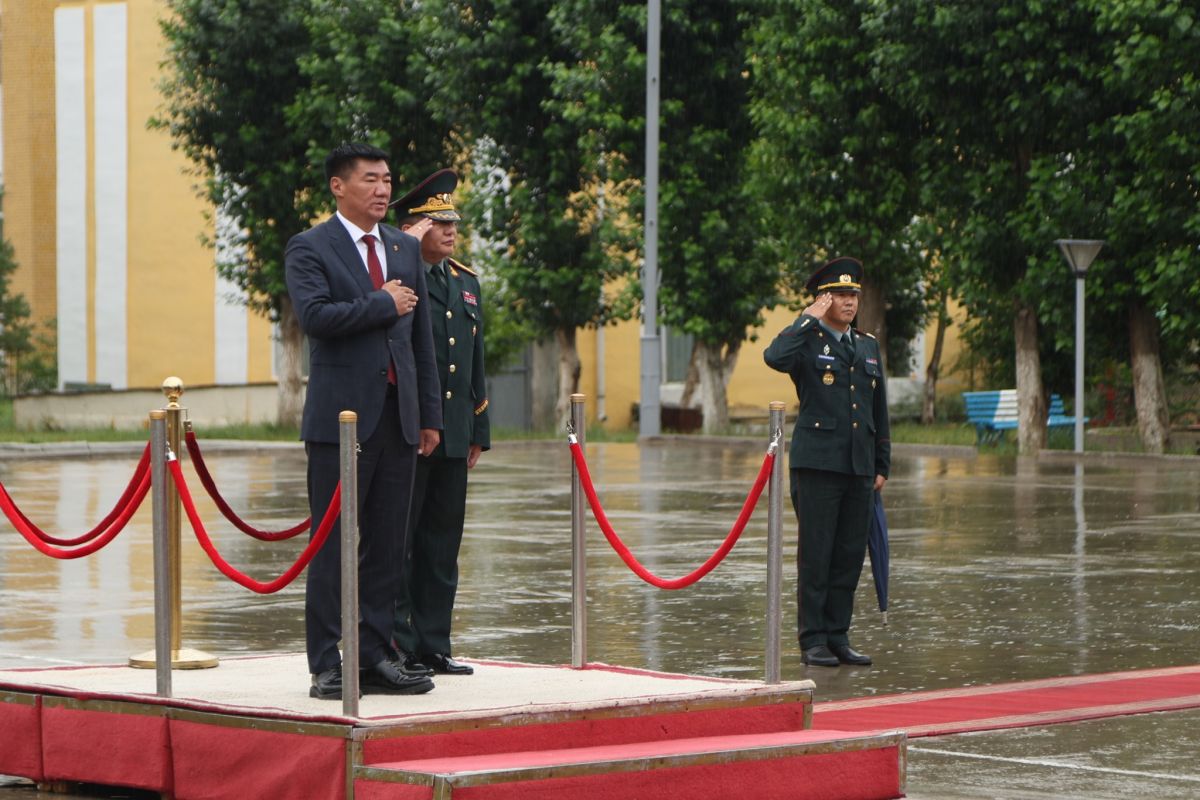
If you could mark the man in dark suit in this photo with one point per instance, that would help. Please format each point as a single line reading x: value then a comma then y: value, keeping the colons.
x: 840, y: 454
x: 426, y: 604
x: 359, y: 294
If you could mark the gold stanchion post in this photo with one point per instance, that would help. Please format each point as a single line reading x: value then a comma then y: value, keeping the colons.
x: 181, y: 658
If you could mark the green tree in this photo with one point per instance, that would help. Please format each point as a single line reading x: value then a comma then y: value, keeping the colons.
x: 1143, y: 161
x: 834, y: 159
x: 1000, y: 90
x: 546, y: 209
x: 231, y: 75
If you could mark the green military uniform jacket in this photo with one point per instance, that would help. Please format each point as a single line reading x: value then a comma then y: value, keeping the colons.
x: 457, y: 314
x: 843, y: 424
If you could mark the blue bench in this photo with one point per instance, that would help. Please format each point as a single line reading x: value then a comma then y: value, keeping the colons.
x: 993, y: 413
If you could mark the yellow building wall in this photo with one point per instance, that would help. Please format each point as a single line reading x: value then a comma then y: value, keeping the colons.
x: 171, y: 292
x: 27, y: 71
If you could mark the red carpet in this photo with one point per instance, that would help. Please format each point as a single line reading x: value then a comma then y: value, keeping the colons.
x: 1016, y: 705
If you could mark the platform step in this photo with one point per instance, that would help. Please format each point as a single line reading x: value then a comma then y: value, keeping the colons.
x: 783, y: 764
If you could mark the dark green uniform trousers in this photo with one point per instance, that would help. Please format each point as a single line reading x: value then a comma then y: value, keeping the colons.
x: 833, y: 509
x: 430, y: 568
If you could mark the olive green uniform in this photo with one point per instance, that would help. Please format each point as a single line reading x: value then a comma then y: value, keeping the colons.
x: 840, y: 442
x: 426, y: 603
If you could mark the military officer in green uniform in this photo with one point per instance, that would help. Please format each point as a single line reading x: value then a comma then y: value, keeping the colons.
x: 840, y: 454
x: 426, y: 604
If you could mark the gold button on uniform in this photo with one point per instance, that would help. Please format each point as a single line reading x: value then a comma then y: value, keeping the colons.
x: 449, y: 314
x: 453, y: 368
x: 854, y: 406
x: 451, y: 341
x: 816, y: 424
x: 854, y: 425
x: 449, y: 395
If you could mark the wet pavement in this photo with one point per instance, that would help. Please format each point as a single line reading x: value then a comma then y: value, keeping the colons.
x: 1003, y: 569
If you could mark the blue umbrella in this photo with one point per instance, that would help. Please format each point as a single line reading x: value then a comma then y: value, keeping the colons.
x: 877, y: 547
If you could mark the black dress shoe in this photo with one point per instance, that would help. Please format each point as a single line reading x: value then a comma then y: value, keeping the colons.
x: 387, y: 677
x: 819, y: 656
x: 327, y: 685
x: 848, y: 655
x: 411, y: 665
x: 444, y: 664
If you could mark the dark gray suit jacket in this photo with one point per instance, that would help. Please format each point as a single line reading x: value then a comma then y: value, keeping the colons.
x: 353, y: 329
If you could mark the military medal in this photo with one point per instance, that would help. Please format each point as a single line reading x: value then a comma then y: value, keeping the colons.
x: 827, y: 379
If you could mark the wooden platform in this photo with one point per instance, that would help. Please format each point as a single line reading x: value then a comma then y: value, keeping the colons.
x: 248, y: 729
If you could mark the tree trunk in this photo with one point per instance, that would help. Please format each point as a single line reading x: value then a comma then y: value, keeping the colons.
x: 692, y: 382
x: 1031, y: 399
x: 929, y: 405
x: 290, y: 406
x: 872, y: 308
x: 714, y: 402
x: 1149, y: 391
x: 569, y: 369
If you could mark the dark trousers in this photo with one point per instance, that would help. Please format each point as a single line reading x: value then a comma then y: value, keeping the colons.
x: 833, y: 511
x: 430, y: 567
x: 385, y: 479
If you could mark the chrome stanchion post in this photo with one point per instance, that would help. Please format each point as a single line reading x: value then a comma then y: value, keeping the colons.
x: 775, y: 544
x: 578, y: 547
x: 348, y: 457
x: 163, y: 618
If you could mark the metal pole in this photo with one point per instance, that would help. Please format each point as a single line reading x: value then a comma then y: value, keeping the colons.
x: 649, y: 420
x: 775, y: 544
x: 163, y: 619
x: 1078, y: 363
x: 180, y: 658
x: 578, y: 548
x: 173, y: 388
x: 348, y: 457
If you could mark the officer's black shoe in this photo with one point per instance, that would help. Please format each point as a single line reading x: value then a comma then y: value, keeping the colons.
x: 387, y: 677
x: 819, y: 656
x: 411, y: 665
x: 848, y: 655
x: 327, y: 685
x: 444, y: 664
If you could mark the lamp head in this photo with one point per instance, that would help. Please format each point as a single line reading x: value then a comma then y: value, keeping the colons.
x: 1079, y: 253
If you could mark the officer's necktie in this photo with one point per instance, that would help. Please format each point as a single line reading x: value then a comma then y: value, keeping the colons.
x: 439, y: 274
x: 375, y: 270
x: 848, y: 339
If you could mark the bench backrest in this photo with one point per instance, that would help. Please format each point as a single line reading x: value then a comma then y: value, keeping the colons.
x: 1001, y: 406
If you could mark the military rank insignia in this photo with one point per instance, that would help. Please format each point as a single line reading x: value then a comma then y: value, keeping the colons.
x: 826, y: 350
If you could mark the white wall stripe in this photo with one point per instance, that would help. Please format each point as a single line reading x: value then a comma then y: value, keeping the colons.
x: 70, y: 114
x: 111, y: 193
x: 231, y: 348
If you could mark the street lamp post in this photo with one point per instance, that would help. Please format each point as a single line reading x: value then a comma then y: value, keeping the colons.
x: 1079, y: 254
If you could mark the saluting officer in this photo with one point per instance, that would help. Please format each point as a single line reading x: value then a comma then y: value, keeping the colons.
x: 840, y: 454
x: 426, y: 603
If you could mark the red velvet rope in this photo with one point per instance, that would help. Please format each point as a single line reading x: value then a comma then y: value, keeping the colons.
x: 318, y: 539
x: 21, y: 522
x: 205, y: 478
x: 31, y: 535
x: 649, y: 577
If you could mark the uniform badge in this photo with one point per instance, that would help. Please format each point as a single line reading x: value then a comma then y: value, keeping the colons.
x: 826, y: 349
x: 470, y: 299
x: 827, y: 379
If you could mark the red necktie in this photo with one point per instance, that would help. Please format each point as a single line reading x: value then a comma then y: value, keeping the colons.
x: 375, y: 269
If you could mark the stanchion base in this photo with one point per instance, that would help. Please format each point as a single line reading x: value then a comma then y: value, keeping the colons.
x: 180, y: 659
